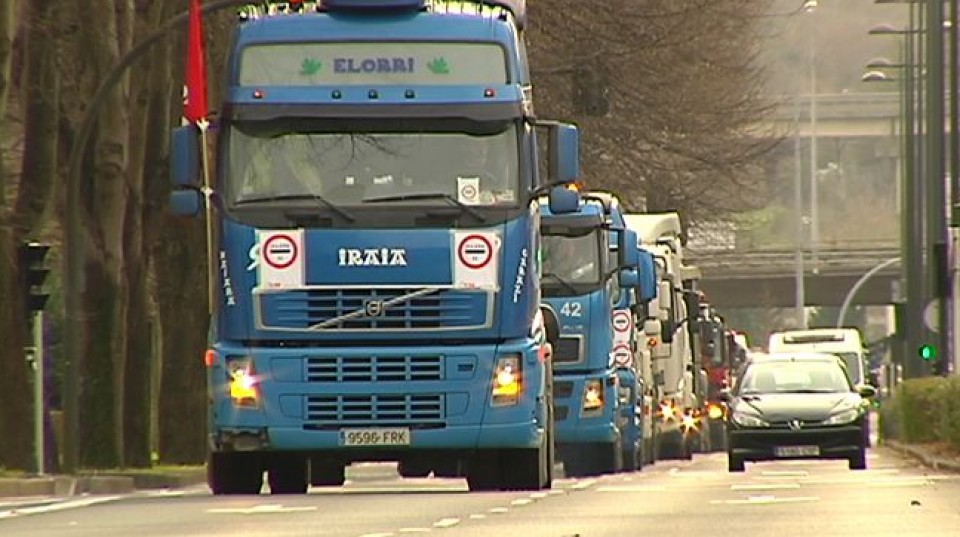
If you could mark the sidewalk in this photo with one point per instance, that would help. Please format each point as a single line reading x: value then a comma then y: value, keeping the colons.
x: 927, y: 454
x: 20, y: 492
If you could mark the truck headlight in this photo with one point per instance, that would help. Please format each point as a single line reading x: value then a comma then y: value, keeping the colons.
x: 242, y: 380
x: 506, y: 381
x: 592, y: 396
x: 843, y: 417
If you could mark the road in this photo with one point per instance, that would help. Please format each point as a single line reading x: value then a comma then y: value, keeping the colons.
x: 895, y: 497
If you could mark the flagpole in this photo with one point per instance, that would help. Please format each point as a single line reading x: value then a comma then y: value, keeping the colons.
x: 207, y: 190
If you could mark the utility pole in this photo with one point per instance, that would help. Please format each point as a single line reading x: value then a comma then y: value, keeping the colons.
x: 935, y: 178
x: 800, y: 297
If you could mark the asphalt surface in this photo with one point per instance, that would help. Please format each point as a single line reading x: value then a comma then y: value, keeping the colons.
x: 895, y: 496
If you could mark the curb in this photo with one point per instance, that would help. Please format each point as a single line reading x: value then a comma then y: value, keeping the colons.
x: 920, y: 455
x: 39, y: 489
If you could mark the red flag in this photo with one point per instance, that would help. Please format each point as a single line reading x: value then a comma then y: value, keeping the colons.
x: 195, y: 101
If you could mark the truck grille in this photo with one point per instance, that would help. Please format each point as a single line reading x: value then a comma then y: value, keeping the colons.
x: 324, y: 310
x: 569, y: 350
x: 384, y: 410
x: 374, y: 368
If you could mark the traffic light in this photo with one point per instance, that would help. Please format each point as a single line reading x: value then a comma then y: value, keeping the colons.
x: 927, y: 352
x: 33, y: 274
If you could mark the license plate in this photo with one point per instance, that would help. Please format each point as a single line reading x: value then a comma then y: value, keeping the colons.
x: 797, y: 451
x: 375, y: 437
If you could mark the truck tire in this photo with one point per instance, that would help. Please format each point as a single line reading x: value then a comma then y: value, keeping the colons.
x: 288, y: 475
x: 735, y: 463
x: 413, y: 469
x: 234, y: 473
x: 327, y: 473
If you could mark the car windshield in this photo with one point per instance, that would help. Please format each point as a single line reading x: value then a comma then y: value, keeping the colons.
x: 854, y: 364
x: 572, y: 259
x: 801, y: 376
x: 355, y: 163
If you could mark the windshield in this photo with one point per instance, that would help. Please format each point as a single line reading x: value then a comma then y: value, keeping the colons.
x: 794, y: 377
x: 574, y: 260
x: 350, y: 163
x: 854, y: 365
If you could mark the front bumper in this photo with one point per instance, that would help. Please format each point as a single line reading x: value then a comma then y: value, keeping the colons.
x: 760, y: 444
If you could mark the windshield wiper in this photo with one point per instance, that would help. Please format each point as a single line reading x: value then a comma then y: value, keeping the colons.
x: 429, y: 196
x: 566, y: 285
x: 294, y: 197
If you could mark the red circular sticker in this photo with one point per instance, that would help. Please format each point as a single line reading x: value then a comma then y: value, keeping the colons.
x: 475, y: 251
x: 621, y: 321
x: 622, y: 354
x: 280, y: 251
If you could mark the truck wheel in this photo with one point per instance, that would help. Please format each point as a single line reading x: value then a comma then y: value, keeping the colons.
x: 327, y: 473
x: 413, y: 469
x: 288, y: 475
x: 483, y: 472
x: 234, y: 473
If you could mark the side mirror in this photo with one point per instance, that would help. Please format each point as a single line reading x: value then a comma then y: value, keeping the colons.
x: 724, y: 395
x: 550, y: 325
x: 668, y: 328
x: 186, y: 202
x: 627, y: 251
x: 629, y: 278
x: 564, y: 157
x: 184, y: 156
x: 563, y: 200
x: 866, y: 390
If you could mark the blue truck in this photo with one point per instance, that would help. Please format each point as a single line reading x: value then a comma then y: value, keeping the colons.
x: 376, y: 226
x: 592, y: 280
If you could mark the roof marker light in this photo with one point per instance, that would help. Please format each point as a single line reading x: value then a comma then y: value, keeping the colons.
x: 373, y: 94
x: 257, y: 94
x: 409, y: 94
x: 336, y: 94
x: 489, y: 92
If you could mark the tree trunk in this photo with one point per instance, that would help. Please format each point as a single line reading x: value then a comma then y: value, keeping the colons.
x: 106, y: 296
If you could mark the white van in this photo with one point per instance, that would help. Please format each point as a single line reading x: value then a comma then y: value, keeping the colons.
x: 843, y: 342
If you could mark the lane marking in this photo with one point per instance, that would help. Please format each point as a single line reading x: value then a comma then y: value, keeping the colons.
x: 763, y: 500
x: 765, y: 486
x: 584, y: 484
x: 261, y: 510
x: 631, y: 488
x: 381, y: 534
x: 446, y: 522
x: 538, y: 495
x: 478, y: 516
x: 521, y: 501
x: 413, y: 530
x: 554, y: 492
x: 60, y: 506
x: 786, y: 473
x: 498, y: 510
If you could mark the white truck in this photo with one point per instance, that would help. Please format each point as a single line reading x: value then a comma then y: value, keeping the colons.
x: 670, y: 371
x: 843, y: 342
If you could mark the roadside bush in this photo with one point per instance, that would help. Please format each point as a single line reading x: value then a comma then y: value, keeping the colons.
x: 924, y: 410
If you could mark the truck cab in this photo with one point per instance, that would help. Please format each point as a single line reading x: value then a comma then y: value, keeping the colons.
x: 589, y: 274
x: 374, y: 218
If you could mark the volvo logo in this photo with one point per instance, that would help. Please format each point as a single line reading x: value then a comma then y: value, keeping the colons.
x: 795, y: 425
x: 374, y: 308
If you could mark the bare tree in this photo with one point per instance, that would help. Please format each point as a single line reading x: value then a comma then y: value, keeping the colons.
x: 665, y: 91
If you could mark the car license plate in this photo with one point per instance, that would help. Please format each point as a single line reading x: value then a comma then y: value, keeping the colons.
x: 375, y: 437
x: 797, y: 451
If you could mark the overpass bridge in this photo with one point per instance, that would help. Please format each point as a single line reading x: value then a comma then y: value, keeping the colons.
x: 839, y: 115
x: 766, y: 276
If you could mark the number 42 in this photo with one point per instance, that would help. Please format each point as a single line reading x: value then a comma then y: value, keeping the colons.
x: 571, y: 309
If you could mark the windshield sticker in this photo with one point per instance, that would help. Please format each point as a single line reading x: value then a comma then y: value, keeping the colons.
x: 468, y: 190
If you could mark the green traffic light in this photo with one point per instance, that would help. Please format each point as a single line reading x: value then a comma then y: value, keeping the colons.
x: 928, y: 352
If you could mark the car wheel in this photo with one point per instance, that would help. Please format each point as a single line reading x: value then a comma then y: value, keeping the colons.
x: 858, y: 461
x: 734, y: 463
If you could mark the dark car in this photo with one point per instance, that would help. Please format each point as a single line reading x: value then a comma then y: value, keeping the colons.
x: 797, y: 407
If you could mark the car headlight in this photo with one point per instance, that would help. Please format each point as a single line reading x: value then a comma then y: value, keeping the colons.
x: 843, y: 417
x: 748, y: 420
